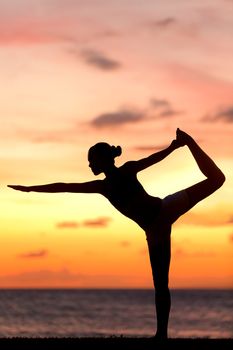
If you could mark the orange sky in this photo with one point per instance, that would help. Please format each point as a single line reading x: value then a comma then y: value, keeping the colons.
x: 129, y: 73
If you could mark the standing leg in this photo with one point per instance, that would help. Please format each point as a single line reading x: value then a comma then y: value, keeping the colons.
x: 160, y: 254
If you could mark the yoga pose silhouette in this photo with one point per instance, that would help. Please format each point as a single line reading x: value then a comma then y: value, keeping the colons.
x: 154, y: 215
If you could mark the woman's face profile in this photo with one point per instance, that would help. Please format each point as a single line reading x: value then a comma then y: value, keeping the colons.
x: 96, y: 163
x: 100, y: 158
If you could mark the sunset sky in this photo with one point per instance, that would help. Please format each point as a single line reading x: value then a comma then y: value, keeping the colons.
x: 128, y: 72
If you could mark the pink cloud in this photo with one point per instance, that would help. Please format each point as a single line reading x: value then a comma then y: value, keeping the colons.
x: 94, y: 223
x: 98, y: 222
x: 99, y: 60
x: 163, y: 23
x: 148, y: 148
x: 67, y: 224
x: 118, y: 118
x: 34, y: 254
x: 223, y: 114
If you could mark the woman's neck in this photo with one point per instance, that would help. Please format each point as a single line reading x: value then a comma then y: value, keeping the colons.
x: 110, y: 171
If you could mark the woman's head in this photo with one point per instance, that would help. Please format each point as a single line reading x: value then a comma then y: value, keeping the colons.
x: 101, y: 156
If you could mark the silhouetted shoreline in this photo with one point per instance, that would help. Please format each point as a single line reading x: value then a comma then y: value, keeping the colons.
x: 122, y: 343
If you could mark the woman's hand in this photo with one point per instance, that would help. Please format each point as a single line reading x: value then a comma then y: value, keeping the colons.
x: 175, y: 144
x: 182, y: 137
x: 20, y: 188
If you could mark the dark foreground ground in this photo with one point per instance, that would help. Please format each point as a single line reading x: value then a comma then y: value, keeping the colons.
x: 112, y: 343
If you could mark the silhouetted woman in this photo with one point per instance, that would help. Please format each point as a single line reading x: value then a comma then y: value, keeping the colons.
x: 154, y: 215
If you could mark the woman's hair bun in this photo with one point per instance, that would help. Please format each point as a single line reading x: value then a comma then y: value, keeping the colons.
x: 116, y: 151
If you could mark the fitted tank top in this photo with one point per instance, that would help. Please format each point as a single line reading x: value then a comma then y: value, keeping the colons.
x: 127, y: 195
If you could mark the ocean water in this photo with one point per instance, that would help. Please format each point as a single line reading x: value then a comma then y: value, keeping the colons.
x: 129, y: 312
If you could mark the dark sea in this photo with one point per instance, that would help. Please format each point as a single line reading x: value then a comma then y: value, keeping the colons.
x: 109, y: 312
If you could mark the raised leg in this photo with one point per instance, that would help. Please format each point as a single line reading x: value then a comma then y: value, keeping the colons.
x: 214, y: 176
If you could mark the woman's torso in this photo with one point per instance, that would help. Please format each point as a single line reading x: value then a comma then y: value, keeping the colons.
x: 127, y: 195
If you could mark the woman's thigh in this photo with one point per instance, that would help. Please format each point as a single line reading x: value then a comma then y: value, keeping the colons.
x: 173, y: 206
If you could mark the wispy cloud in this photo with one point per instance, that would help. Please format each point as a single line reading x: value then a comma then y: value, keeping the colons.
x: 93, y: 223
x: 121, y: 117
x: 163, y: 23
x: 100, y: 60
x: 67, y: 224
x: 98, y: 222
x: 42, y: 253
x: 174, y: 29
x: 160, y: 103
x: 155, y: 109
x: 163, y: 108
x: 148, y: 148
x: 224, y: 114
x: 169, y: 112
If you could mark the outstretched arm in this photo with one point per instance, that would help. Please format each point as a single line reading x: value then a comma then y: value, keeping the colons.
x: 85, y: 187
x: 155, y: 157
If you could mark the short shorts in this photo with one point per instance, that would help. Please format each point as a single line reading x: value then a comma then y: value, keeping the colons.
x: 174, y: 205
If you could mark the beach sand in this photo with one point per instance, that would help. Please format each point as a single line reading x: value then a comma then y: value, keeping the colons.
x: 112, y: 343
